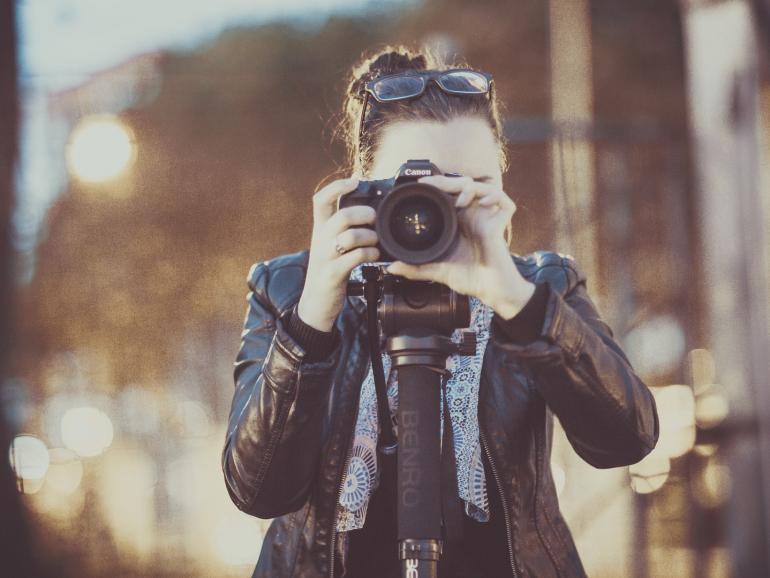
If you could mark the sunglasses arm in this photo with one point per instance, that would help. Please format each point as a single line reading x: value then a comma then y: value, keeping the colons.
x: 361, y: 123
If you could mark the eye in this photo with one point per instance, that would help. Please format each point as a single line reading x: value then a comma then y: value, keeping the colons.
x: 484, y: 179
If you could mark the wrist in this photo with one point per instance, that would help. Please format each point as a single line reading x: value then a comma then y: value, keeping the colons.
x: 310, y: 315
x: 509, y: 305
x: 510, y: 292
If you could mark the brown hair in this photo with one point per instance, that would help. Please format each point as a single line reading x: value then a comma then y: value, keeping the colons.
x: 433, y: 104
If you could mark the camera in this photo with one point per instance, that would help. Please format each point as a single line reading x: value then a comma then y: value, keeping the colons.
x: 416, y: 223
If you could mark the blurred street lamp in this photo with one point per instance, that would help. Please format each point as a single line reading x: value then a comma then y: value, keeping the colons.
x: 100, y: 149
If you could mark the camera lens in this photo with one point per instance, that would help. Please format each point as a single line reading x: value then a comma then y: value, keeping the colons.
x: 417, y: 223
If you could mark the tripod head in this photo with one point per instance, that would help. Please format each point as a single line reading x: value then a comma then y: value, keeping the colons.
x: 420, y: 307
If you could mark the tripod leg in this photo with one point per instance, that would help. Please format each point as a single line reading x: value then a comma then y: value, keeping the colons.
x: 419, y: 471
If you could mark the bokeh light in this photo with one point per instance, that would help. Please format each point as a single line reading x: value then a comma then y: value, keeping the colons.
x: 711, y: 407
x: 125, y: 488
x: 237, y: 539
x: 657, y: 346
x: 30, y: 460
x: 650, y: 474
x: 100, y: 149
x: 676, y: 410
x: 86, y: 430
x: 705, y: 450
x: 65, y: 472
x: 51, y: 505
x: 711, y: 486
x: 702, y: 367
x: 192, y: 419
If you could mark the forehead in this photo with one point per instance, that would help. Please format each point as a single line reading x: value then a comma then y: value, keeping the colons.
x: 464, y: 145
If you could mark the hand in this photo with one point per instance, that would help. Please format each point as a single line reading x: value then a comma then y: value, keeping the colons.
x: 328, y: 271
x: 480, y: 265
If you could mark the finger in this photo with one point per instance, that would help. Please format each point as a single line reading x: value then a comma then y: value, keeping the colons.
x: 447, y: 184
x: 497, y: 198
x: 455, y: 184
x: 348, y: 261
x: 426, y: 272
x: 469, y: 192
x: 325, y: 200
x: 356, y: 237
x: 350, y: 217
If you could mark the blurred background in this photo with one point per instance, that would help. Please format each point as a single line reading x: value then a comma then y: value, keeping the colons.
x: 152, y: 151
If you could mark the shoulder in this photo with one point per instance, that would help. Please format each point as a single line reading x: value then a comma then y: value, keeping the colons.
x: 559, y: 270
x: 278, y: 281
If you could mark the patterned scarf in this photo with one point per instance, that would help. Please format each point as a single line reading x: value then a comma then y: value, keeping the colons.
x: 462, y: 391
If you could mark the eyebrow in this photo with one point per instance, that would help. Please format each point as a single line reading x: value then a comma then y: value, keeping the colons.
x: 484, y: 179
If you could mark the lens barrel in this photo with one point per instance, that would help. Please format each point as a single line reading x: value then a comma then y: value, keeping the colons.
x: 417, y: 223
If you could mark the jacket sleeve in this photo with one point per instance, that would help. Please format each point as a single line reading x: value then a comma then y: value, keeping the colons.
x: 274, y: 435
x: 606, y: 410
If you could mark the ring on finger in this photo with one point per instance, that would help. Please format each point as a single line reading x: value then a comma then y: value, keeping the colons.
x: 339, y: 248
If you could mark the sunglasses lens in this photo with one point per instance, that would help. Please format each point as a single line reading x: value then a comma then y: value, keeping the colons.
x: 464, y: 82
x: 398, y: 87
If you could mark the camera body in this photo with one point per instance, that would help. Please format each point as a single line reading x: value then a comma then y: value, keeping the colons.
x: 416, y: 223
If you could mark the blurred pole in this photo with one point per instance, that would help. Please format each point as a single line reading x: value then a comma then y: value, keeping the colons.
x: 722, y: 73
x: 15, y: 555
x: 619, y: 219
x: 572, y: 153
x: 573, y: 194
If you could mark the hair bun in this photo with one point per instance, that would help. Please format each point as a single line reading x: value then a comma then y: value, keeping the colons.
x: 388, y: 61
x: 395, y: 61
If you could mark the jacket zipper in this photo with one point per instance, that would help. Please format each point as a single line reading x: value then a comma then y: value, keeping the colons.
x: 539, y: 468
x: 504, y: 502
x: 338, y: 494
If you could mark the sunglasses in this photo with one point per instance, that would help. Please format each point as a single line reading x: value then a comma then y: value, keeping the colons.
x: 406, y: 85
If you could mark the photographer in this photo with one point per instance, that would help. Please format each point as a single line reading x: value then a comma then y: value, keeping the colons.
x: 301, y: 442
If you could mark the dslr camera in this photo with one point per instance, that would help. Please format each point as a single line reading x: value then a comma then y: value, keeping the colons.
x: 416, y: 223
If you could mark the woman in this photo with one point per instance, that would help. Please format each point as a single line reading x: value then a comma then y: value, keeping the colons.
x: 302, y: 418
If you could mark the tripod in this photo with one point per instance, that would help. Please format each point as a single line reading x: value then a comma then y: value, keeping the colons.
x: 417, y: 319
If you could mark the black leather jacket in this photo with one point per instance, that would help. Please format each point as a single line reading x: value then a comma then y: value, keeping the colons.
x: 292, y: 420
